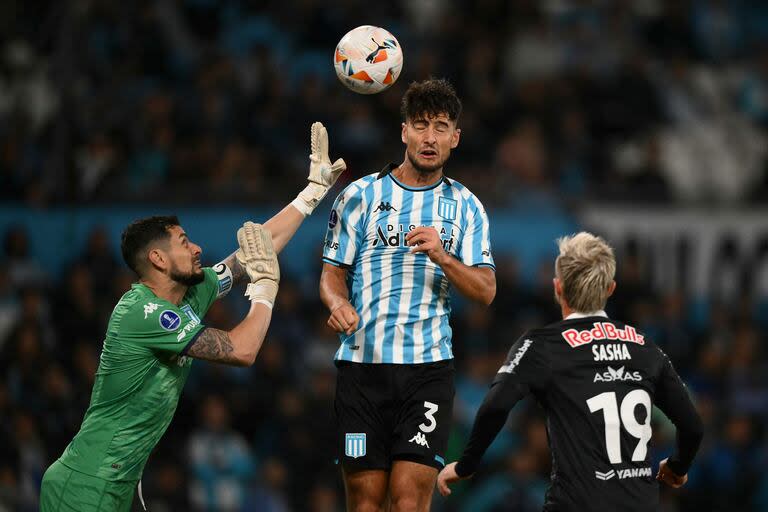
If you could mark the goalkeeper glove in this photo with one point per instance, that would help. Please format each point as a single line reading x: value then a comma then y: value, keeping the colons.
x: 259, y: 259
x: 322, y: 174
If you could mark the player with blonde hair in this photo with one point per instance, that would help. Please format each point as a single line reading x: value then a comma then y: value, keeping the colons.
x: 597, y: 380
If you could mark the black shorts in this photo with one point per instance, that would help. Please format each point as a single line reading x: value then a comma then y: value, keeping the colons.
x: 388, y: 412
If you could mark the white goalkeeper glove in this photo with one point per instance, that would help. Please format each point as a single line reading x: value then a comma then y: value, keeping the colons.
x: 259, y: 259
x: 322, y: 174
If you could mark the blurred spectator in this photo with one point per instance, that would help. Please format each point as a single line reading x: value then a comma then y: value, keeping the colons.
x: 220, y: 460
x: 23, y: 270
x: 9, y: 306
x: 76, y: 308
x: 269, y: 494
x: 166, y: 490
x: 33, y: 460
x: 100, y: 261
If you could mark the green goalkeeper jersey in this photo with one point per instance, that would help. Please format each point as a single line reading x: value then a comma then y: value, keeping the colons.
x: 141, y: 373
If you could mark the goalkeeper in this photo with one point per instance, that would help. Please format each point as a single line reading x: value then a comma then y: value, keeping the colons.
x: 154, y: 331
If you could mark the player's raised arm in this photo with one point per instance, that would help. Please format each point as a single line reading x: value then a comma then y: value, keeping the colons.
x: 240, y: 346
x: 673, y: 400
x: 322, y: 176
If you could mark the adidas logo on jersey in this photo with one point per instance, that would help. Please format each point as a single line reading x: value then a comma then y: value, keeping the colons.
x: 395, y: 236
x: 619, y: 375
x: 419, y: 439
x: 394, y: 240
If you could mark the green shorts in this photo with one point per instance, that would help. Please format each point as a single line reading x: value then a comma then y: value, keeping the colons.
x: 67, y: 490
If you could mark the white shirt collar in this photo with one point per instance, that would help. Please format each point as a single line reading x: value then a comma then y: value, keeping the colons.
x: 585, y: 315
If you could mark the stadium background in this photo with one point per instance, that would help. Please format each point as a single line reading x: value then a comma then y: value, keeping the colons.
x: 643, y: 120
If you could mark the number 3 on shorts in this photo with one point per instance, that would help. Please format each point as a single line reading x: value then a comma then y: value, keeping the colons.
x: 430, y: 415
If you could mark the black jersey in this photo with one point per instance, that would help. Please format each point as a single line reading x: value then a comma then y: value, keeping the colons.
x: 597, y: 380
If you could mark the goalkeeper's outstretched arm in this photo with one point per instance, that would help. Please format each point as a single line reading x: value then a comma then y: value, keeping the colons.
x: 237, y: 347
x: 322, y: 176
x: 258, y: 260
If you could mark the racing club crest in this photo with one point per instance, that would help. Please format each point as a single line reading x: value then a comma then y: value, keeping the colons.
x: 446, y: 208
x: 354, y: 445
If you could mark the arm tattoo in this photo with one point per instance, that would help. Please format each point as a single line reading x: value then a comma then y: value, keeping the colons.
x: 239, y: 275
x: 213, y: 345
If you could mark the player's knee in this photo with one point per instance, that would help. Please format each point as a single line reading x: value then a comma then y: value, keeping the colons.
x: 410, y: 502
x: 366, y: 505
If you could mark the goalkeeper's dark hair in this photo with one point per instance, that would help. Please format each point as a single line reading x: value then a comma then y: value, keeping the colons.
x: 430, y: 98
x: 140, y: 234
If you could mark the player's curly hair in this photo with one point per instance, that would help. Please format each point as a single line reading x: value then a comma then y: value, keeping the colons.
x: 430, y: 98
x: 140, y: 234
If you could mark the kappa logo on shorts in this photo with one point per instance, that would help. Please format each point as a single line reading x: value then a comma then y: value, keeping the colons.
x: 169, y: 320
x: 354, y: 445
x: 419, y: 439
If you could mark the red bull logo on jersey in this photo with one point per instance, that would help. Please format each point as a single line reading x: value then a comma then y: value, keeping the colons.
x: 602, y: 331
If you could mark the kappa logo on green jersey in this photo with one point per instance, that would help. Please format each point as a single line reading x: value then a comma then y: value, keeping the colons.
x: 150, y: 308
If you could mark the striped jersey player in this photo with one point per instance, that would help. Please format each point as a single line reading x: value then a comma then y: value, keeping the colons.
x: 397, y: 241
x: 403, y: 296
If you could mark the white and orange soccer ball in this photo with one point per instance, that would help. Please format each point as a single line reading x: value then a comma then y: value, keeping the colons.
x: 368, y: 59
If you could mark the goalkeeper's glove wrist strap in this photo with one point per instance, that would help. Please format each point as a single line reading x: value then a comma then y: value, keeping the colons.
x: 309, y: 198
x: 262, y: 292
x: 263, y: 301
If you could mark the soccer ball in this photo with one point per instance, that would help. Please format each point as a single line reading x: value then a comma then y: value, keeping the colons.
x: 368, y: 59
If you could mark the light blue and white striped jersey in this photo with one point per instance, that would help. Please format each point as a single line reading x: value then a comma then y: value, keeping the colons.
x: 401, y: 297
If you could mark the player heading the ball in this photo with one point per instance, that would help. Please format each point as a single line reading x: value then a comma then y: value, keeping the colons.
x: 398, y: 239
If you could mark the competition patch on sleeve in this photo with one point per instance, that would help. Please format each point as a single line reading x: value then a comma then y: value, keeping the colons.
x: 333, y: 219
x: 169, y: 320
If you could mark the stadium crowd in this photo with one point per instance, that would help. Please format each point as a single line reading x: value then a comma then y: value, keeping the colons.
x: 111, y: 101
x: 208, y: 102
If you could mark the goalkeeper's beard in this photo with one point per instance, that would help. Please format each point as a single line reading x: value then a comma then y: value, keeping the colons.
x: 187, y: 279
